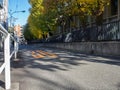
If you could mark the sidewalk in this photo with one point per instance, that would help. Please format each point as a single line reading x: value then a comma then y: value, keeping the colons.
x: 14, y: 86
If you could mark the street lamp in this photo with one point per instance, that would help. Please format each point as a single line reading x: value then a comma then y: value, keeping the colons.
x: 14, y: 32
x: 11, y: 15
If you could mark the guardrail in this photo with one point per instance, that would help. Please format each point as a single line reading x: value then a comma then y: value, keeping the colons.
x: 7, y: 54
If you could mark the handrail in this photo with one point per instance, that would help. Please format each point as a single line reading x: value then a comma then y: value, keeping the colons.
x: 8, y: 55
x: 3, y: 31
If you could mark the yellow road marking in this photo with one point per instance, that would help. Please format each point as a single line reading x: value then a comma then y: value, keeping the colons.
x: 41, y: 54
x: 49, y: 54
x: 37, y: 55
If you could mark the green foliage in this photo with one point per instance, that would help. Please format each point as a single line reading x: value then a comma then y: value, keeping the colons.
x: 81, y: 8
x: 35, y: 11
x: 27, y: 33
x: 46, y: 15
x: 30, y: 34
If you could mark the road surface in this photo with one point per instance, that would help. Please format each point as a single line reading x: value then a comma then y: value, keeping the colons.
x: 40, y: 68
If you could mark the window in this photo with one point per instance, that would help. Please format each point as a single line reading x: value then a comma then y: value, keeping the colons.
x: 1, y: 4
x: 114, y: 7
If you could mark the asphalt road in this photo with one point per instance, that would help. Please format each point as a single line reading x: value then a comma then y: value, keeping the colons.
x: 39, y: 68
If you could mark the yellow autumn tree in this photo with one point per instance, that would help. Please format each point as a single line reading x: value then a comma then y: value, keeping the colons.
x: 45, y: 15
x: 33, y: 20
x: 81, y: 8
x: 85, y: 8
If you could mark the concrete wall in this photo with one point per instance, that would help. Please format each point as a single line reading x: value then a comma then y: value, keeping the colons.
x: 96, y: 48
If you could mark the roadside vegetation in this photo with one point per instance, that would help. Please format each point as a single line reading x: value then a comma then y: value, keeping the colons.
x: 46, y: 15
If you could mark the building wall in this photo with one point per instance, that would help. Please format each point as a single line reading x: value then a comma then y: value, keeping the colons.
x: 108, y: 16
x: 112, y: 12
x: 3, y: 18
x: 18, y: 31
x: 4, y: 13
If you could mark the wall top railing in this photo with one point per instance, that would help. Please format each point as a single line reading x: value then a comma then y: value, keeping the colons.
x: 106, y: 32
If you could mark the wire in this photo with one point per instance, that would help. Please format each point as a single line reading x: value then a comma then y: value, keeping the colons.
x: 16, y: 5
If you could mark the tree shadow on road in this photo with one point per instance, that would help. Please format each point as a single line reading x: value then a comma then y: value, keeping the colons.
x: 47, y: 81
x: 112, y: 60
x: 65, y: 60
x: 118, y: 85
x: 104, y: 60
x: 47, y: 63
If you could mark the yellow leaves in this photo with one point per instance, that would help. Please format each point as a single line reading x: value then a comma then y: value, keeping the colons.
x: 74, y: 10
x: 52, y: 9
x: 36, y: 33
x: 83, y: 9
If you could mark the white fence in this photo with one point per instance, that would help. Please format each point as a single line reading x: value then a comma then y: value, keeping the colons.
x: 7, y: 55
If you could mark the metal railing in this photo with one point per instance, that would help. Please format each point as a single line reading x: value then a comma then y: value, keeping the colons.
x: 106, y: 32
x: 6, y: 41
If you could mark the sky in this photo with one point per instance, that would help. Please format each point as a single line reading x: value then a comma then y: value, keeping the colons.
x: 18, y: 5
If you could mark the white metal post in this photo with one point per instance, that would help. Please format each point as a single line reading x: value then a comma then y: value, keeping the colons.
x: 15, y: 45
x: 7, y: 62
x: 15, y: 49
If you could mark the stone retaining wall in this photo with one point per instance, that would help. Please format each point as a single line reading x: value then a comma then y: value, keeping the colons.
x: 96, y: 48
